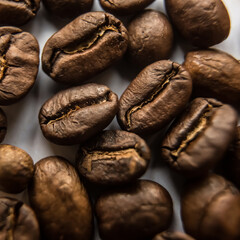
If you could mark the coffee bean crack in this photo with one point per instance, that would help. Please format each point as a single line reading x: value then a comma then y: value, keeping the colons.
x: 29, y: 4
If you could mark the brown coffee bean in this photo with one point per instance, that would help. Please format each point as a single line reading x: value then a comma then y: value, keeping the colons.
x: 124, y: 7
x: 172, y: 236
x: 214, y: 74
x: 134, y: 212
x: 113, y: 157
x: 16, y: 169
x: 199, y: 137
x: 74, y: 115
x: 211, y: 209
x: 18, y: 221
x: 154, y: 97
x: 17, y: 12
x: 85, y: 47
x: 18, y: 64
x: 203, y: 23
x: 150, y: 38
x: 60, y: 201
x: 3, y: 125
x: 68, y: 8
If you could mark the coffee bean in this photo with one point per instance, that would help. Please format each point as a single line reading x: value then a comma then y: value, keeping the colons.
x: 18, y: 12
x: 18, y: 221
x: 203, y: 23
x: 16, y: 169
x: 124, y: 7
x: 214, y: 74
x: 199, y: 137
x: 67, y: 8
x: 113, y: 157
x: 134, y: 212
x: 84, y: 47
x: 18, y: 64
x: 3, y: 125
x: 60, y: 201
x: 172, y: 236
x: 74, y: 115
x: 211, y: 209
x: 154, y: 97
x: 150, y: 38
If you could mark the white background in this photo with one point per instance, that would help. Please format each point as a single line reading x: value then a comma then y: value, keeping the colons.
x: 23, y: 127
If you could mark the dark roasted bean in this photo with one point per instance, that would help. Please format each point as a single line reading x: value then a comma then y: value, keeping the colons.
x: 3, y: 125
x: 172, y: 236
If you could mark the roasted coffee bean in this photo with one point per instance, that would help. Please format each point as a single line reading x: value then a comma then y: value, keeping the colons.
x: 85, y: 47
x: 60, y: 201
x: 68, y: 8
x: 3, y: 125
x: 154, y: 97
x: 113, y: 157
x: 18, y: 221
x: 16, y: 169
x: 203, y: 23
x: 18, y: 64
x: 198, y: 139
x: 134, y: 212
x: 214, y: 74
x: 76, y: 114
x: 150, y: 38
x: 17, y: 12
x: 211, y: 209
x: 124, y: 7
x: 172, y: 236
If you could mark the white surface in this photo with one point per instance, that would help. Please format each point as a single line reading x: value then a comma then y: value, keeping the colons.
x: 23, y: 127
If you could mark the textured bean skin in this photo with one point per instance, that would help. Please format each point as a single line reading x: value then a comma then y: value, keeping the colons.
x: 135, y: 212
x: 68, y: 8
x: 17, y: 12
x: 3, y: 125
x: 199, y: 137
x: 172, y: 236
x: 19, y: 59
x: 60, y: 201
x: 18, y: 221
x: 74, y: 115
x: 203, y: 23
x: 86, y: 46
x: 150, y: 38
x: 210, y: 209
x: 16, y: 169
x: 214, y: 74
x: 113, y: 158
x: 124, y: 7
x: 151, y: 101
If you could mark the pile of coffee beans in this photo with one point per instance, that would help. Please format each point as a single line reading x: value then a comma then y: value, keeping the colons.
x: 105, y: 104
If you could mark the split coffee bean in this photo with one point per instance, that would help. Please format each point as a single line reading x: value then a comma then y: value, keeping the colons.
x: 135, y: 212
x: 16, y: 169
x: 150, y: 38
x: 86, y: 46
x: 76, y: 114
x: 113, y: 157
x: 18, y: 221
x: 18, y: 12
x: 203, y: 23
x: 3, y: 125
x: 214, y: 74
x: 210, y: 209
x: 154, y: 97
x: 172, y: 236
x: 67, y: 8
x: 19, y: 59
x: 199, y: 137
x: 124, y: 7
x: 60, y: 201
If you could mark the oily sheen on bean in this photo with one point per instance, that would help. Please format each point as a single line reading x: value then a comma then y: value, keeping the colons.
x: 74, y: 115
x: 60, y: 201
x: 84, y: 47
